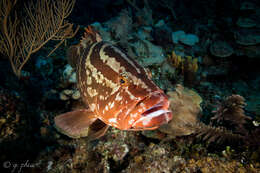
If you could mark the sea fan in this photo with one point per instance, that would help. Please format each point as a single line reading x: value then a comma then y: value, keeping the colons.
x: 185, y: 106
x: 216, y: 134
x: 230, y: 122
x: 230, y: 113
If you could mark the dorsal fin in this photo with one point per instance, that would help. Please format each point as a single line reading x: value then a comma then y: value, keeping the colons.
x: 75, y: 51
x: 90, y: 36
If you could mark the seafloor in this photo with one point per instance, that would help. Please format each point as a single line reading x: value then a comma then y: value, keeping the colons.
x: 205, y: 55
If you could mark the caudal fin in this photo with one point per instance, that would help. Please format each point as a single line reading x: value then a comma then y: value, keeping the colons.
x: 75, y: 124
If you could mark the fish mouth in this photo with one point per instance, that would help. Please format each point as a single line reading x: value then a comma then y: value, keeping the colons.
x: 156, y: 114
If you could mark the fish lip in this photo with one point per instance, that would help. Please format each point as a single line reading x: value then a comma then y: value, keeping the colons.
x: 160, y: 105
x: 159, y: 108
x: 155, y: 107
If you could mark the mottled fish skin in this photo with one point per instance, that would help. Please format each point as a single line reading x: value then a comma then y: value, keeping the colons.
x: 100, y: 72
x: 116, y: 88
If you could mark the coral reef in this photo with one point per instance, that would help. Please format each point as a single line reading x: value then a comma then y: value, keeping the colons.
x: 187, y: 39
x: 187, y: 63
x: 231, y: 112
x: 221, y: 49
x: 187, y: 66
x: 185, y: 106
x: 20, y: 44
x: 211, y: 77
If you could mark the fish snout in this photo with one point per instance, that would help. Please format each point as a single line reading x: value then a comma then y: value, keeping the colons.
x: 155, y: 114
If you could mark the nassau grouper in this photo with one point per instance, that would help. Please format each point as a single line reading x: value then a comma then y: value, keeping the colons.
x: 117, y: 90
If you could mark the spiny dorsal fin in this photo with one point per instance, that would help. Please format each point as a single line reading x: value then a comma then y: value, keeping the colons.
x: 75, y: 51
x: 90, y: 36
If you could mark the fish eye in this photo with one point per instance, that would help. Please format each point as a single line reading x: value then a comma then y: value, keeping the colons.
x: 123, y: 78
x: 122, y: 81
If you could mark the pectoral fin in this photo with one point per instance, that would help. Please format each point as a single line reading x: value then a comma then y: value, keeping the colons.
x: 75, y: 124
x: 97, y: 129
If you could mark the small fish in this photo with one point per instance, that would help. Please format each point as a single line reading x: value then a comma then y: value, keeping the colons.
x: 118, y: 91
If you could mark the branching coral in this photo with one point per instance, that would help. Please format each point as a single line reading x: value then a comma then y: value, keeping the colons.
x: 187, y: 63
x: 231, y: 122
x: 185, y: 107
x: 44, y: 21
x: 230, y: 114
x: 216, y: 134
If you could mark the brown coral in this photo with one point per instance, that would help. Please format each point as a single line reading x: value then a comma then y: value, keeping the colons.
x: 230, y: 113
x: 185, y: 107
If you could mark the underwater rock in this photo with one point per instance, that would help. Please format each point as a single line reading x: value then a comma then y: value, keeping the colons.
x: 103, y: 31
x: 248, y: 41
x: 160, y: 23
x: 113, y: 149
x: 25, y: 75
x: 69, y: 74
x: 69, y: 93
x: 177, y: 35
x: 11, y: 119
x: 249, y: 51
x: 115, y: 146
x: 144, y: 16
x: 144, y: 33
x: 187, y: 39
x: 247, y: 6
x: 244, y: 22
x: 168, y: 69
x: 212, y: 72
x: 76, y: 94
x: 221, y: 49
x: 209, y: 164
x: 253, y: 103
x: 44, y: 66
x: 247, y: 37
x: 185, y: 107
x: 162, y: 34
x: 148, y: 53
x: 63, y: 96
x: 121, y: 26
x: 155, y: 159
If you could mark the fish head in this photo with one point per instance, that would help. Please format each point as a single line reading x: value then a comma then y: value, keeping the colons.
x: 150, y: 112
x: 138, y: 104
x: 134, y: 101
